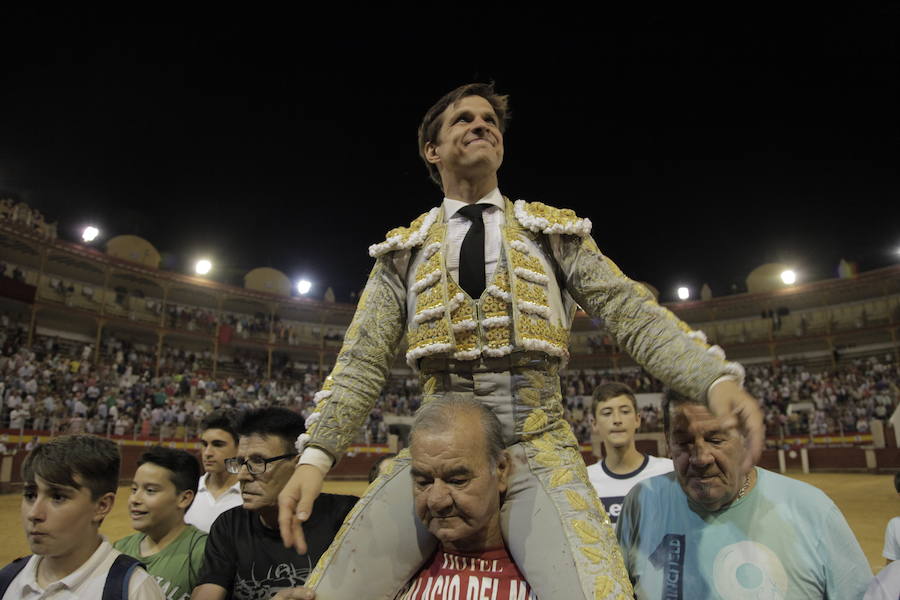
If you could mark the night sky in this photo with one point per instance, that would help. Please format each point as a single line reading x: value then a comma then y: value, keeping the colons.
x: 700, y: 145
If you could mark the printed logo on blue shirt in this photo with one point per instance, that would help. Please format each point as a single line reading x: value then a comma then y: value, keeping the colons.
x: 669, y: 556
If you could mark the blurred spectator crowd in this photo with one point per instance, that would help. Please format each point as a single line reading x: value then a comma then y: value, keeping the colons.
x: 63, y: 386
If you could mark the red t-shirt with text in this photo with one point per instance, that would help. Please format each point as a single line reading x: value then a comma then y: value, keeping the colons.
x: 490, y: 575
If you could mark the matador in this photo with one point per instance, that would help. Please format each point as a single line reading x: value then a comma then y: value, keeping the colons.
x: 495, y: 327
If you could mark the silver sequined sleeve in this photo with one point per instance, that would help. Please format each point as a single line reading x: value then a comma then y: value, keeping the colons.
x: 364, y: 362
x: 651, y: 334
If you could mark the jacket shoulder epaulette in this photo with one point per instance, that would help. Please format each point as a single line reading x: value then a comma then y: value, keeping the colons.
x: 541, y: 218
x: 403, y: 238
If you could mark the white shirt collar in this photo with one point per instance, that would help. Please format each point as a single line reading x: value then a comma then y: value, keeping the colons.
x: 201, y: 487
x: 73, y: 579
x: 493, y: 197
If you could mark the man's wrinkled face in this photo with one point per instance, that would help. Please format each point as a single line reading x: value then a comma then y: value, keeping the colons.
x: 707, y: 456
x: 261, y: 491
x: 455, y: 488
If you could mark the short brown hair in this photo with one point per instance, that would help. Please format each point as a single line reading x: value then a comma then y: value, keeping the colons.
x: 612, y: 389
x: 94, y: 459
x: 433, y: 119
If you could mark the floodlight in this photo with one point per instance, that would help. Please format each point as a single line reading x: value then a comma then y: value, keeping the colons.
x: 303, y: 287
x: 203, y: 266
x: 684, y: 293
x: 788, y: 277
x: 89, y: 234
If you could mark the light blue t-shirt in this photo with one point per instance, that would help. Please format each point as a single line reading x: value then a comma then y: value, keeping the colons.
x: 784, y: 540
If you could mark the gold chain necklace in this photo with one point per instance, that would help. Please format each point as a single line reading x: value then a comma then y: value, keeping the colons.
x: 744, y: 487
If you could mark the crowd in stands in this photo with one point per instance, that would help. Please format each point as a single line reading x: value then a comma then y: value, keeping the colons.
x: 842, y: 400
x: 64, y: 387
x: 60, y: 387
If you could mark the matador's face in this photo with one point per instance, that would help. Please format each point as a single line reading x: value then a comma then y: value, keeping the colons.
x: 469, y: 142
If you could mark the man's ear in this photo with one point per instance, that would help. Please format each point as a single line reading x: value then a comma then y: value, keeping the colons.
x: 103, y: 506
x: 504, y: 468
x: 431, y: 153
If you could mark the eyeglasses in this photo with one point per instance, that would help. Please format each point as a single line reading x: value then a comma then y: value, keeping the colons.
x: 256, y: 466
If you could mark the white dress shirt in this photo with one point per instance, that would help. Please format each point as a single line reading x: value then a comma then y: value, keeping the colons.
x: 86, y: 581
x: 458, y: 226
x: 205, y: 507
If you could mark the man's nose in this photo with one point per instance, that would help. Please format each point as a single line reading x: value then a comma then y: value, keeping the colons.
x: 439, y: 497
x: 479, y: 125
x: 244, y: 474
x: 701, y: 455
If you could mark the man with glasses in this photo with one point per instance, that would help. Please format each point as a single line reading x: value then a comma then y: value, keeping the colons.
x: 245, y: 558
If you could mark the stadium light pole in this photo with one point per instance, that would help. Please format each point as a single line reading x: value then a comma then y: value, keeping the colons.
x: 788, y: 277
x: 203, y: 266
x: 89, y: 234
x: 684, y: 293
x: 303, y: 287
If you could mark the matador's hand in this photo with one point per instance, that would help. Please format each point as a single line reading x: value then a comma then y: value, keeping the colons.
x: 295, y: 505
x: 729, y: 400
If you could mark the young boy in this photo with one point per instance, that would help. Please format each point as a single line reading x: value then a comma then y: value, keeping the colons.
x: 70, y: 487
x: 218, y: 489
x: 616, y: 420
x: 164, y: 486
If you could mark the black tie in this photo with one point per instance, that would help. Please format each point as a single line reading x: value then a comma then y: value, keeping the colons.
x: 471, y: 253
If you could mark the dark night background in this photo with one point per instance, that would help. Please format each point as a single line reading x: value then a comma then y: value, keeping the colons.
x: 700, y: 144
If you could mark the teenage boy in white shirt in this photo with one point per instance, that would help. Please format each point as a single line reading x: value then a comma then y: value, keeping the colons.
x: 70, y: 487
x: 616, y: 420
x: 218, y: 490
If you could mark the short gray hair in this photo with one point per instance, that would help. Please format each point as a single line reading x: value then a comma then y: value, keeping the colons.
x: 438, y: 415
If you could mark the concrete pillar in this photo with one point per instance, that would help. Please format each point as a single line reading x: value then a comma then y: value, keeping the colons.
x: 877, y: 426
x: 159, y: 345
x: 6, y: 464
x: 871, y: 460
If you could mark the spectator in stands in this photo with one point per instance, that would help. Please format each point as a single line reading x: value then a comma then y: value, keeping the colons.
x: 70, y: 487
x: 616, y: 420
x: 713, y: 530
x: 218, y: 490
x: 891, y: 550
x: 163, y: 488
x: 259, y: 564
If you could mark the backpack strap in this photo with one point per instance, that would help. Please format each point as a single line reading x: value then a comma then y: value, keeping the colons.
x: 119, y: 576
x: 10, y: 571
